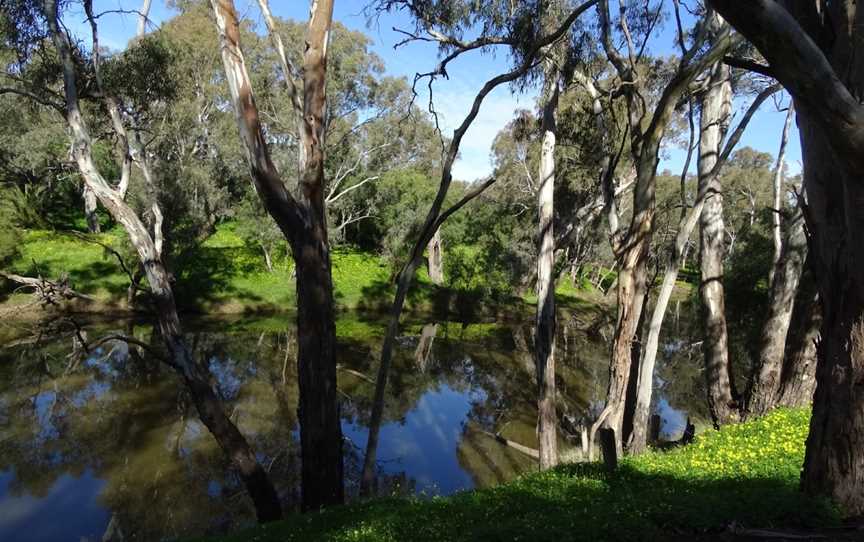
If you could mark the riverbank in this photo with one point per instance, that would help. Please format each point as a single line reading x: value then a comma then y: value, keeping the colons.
x: 224, y: 276
x: 744, y: 476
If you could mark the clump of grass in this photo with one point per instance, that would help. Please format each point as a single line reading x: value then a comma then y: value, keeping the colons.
x: 745, y: 474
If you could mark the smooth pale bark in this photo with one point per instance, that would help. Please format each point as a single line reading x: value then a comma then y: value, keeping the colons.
x: 676, y: 260
x: 303, y: 223
x: 90, y: 205
x: 824, y: 76
x: 544, y: 336
x: 434, y: 218
x: 776, y: 228
x: 631, y: 247
x: 435, y: 259
x: 143, y: 13
x: 766, y: 380
x: 197, y: 380
x: 423, y: 352
x: 716, y: 112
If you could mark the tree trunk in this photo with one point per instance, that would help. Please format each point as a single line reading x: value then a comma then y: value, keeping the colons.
x: 716, y: 110
x: 544, y: 344
x: 628, y: 420
x: 631, y: 295
x: 778, y: 192
x: 209, y: 406
x: 677, y: 259
x: 434, y: 218
x: 318, y: 410
x: 798, y: 376
x: 90, y: 206
x: 833, y: 463
x: 765, y: 385
x: 143, y: 14
x: 639, y: 440
x: 812, y: 49
x: 267, y: 260
x: 304, y: 225
x: 435, y: 259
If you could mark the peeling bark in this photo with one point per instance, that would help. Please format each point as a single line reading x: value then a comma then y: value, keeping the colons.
x: 766, y: 380
x: 435, y: 259
x: 798, y: 375
x: 304, y: 225
x: 90, y: 205
x: 631, y: 246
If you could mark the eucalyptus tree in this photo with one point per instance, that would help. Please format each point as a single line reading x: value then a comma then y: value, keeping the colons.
x: 714, y: 119
x: 809, y: 48
x: 553, y: 66
x: 444, y: 23
x: 40, y: 26
x: 647, y: 128
x: 301, y: 216
x: 688, y: 218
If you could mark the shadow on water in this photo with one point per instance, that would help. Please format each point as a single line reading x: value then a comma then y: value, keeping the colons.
x: 108, y: 441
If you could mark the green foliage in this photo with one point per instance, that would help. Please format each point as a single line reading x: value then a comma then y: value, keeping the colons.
x: 747, y: 474
x: 258, y: 229
x: 143, y: 73
x: 91, y: 269
x: 9, y: 234
x: 402, y: 198
x: 469, y: 269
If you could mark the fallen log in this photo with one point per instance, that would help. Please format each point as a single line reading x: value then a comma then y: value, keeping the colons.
x: 47, y: 292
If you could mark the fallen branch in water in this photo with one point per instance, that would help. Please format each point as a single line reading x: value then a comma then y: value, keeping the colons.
x: 531, y: 452
x: 358, y: 374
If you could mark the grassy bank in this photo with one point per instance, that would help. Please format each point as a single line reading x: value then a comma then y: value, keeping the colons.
x: 746, y: 475
x: 222, y: 275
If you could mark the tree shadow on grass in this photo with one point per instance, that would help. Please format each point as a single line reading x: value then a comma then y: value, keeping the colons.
x: 208, y: 275
x: 573, y: 502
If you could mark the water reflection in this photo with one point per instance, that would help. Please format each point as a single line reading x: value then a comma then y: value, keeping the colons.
x: 107, y: 446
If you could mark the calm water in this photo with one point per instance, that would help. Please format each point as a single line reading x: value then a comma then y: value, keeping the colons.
x: 106, y: 445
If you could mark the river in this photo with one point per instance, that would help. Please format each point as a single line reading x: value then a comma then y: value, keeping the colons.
x: 105, y: 444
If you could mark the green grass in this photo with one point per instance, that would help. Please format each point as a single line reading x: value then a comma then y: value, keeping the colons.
x: 224, y: 275
x: 221, y: 275
x: 91, y: 269
x: 746, y: 474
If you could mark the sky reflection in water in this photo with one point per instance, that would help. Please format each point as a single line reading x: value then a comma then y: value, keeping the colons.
x: 115, y: 439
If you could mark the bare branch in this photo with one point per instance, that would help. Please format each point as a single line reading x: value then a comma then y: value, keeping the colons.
x: 331, y: 198
x: 33, y: 96
x: 749, y: 65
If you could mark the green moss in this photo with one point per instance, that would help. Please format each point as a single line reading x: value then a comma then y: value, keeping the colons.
x: 745, y: 473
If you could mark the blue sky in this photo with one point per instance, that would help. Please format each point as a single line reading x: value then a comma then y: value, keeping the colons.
x: 452, y: 97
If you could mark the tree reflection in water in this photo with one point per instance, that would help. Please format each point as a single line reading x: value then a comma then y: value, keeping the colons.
x: 106, y: 442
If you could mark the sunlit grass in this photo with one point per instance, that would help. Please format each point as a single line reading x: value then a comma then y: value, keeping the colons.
x: 224, y: 275
x: 744, y: 474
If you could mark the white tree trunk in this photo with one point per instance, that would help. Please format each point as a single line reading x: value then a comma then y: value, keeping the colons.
x: 544, y: 346
x: 778, y: 192
x: 435, y: 258
x: 716, y: 112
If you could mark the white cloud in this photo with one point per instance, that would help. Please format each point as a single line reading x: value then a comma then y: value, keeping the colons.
x: 454, y: 101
